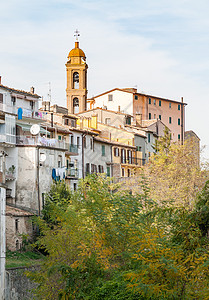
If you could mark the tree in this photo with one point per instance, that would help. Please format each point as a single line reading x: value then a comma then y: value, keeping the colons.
x: 174, y: 176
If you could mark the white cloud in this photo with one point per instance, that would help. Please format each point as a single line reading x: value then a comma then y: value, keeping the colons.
x: 158, y: 46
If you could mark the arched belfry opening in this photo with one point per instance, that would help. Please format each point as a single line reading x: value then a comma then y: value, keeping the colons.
x: 76, y: 90
x: 75, y: 105
x: 76, y: 80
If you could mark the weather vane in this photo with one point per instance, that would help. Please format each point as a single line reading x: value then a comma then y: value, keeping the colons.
x: 76, y: 34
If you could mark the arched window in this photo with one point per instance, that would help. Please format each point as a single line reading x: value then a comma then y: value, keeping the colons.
x: 17, y: 245
x: 75, y: 105
x: 75, y: 80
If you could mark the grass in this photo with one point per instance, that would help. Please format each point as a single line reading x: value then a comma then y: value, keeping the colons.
x: 23, y: 258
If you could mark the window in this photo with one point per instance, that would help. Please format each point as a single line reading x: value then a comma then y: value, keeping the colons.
x: 179, y: 137
x: 154, y: 116
x: 16, y: 225
x: 103, y: 150
x: 110, y: 97
x: 129, y: 172
x: 91, y: 143
x: 169, y: 104
x: 13, y: 100
x: 87, y: 168
x: 74, y: 186
x: 78, y: 141
x: 128, y: 120
x: 101, y: 169
x: 123, y: 172
x: 17, y: 245
x: 71, y: 139
x: 148, y: 137
x: 150, y: 116
x: 107, y: 121
x: 179, y: 107
x: 154, y: 101
x: 73, y: 123
x: 59, y: 137
x: 179, y: 122
x: 116, y: 151
x: 84, y: 142
x: 59, y: 161
x: 150, y: 101
x: 108, y: 171
x: 159, y: 117
x: 136, y: 97
x: 66, y: 121
x: 123, y: 156
x: 75, y: 80
x: 75, y: 105
x: 159, y: 102
x: 170, y: 120
x: 138, y: 148
x: 32, y: 104
x: 129, y: 155
x: 1, y: 98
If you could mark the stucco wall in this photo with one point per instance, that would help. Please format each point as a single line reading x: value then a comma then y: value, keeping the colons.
x: 120, y: 98
x: 27, y: 182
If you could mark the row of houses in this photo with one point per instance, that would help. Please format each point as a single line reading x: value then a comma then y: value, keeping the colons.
x: 66, y: 146
x: 112, y: 133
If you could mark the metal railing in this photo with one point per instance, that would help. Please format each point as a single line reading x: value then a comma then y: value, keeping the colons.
x: 40, y: 141
x: 26, y: 112
x: 73, y: 148
x: 72, y: 172
x: 133, y: 161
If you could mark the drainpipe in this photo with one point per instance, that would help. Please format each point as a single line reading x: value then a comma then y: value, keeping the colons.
x: 182, y: 120
x: 83, y: 174
x: 38, y: 179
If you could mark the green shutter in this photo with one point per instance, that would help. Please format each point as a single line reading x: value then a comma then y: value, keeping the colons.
x: 103, y: 150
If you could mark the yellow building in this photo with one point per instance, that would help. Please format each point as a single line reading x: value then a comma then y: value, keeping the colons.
x: 76, y: 90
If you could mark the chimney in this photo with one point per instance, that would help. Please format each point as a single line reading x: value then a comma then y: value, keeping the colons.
x: 182, y: 99
x: 119, y: 108
x: 32, y: 90
x: 0, y: 79
x: 138, y: 118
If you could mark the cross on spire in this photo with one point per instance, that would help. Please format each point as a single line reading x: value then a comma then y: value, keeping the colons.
x: 76, y: 34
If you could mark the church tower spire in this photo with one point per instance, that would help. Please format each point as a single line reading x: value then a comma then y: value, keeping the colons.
x: 76, y: 68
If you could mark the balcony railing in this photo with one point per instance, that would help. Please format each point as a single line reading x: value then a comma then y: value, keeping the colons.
x: 5, y: 138
x: 26, y: 112
x: 133, y: 161
x: 10, y: 174
x: 72, y: 172
x: 73, y: 148
x: 41, y: 141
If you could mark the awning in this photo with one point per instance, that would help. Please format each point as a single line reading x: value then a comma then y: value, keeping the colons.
x: 27, y: 127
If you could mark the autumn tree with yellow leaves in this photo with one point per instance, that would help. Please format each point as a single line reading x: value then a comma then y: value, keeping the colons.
x: 104, y: 242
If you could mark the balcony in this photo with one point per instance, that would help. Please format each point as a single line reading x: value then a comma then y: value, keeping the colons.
x: 72, y: 173
x: 10, y: 174
x: 28, y: 113
x: 73, y: 148
x: 41, y: 141
x: 133, y: 161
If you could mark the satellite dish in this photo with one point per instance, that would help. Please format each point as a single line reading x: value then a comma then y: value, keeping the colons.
x: 35, y: 129
x: 42, y: 157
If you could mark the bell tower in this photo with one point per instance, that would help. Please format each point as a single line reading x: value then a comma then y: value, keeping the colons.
x: 76, y: 68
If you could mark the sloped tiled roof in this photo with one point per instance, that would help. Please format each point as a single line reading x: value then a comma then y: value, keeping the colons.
x: 19, y: 91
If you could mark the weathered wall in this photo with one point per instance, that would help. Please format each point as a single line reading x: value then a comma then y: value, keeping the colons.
x: 18, y: 286
x: 27, y: 183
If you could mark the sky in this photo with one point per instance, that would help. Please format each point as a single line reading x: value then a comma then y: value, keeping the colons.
x: 161, y: 47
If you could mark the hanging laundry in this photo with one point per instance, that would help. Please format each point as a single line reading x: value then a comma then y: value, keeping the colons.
x: 19, y: 113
